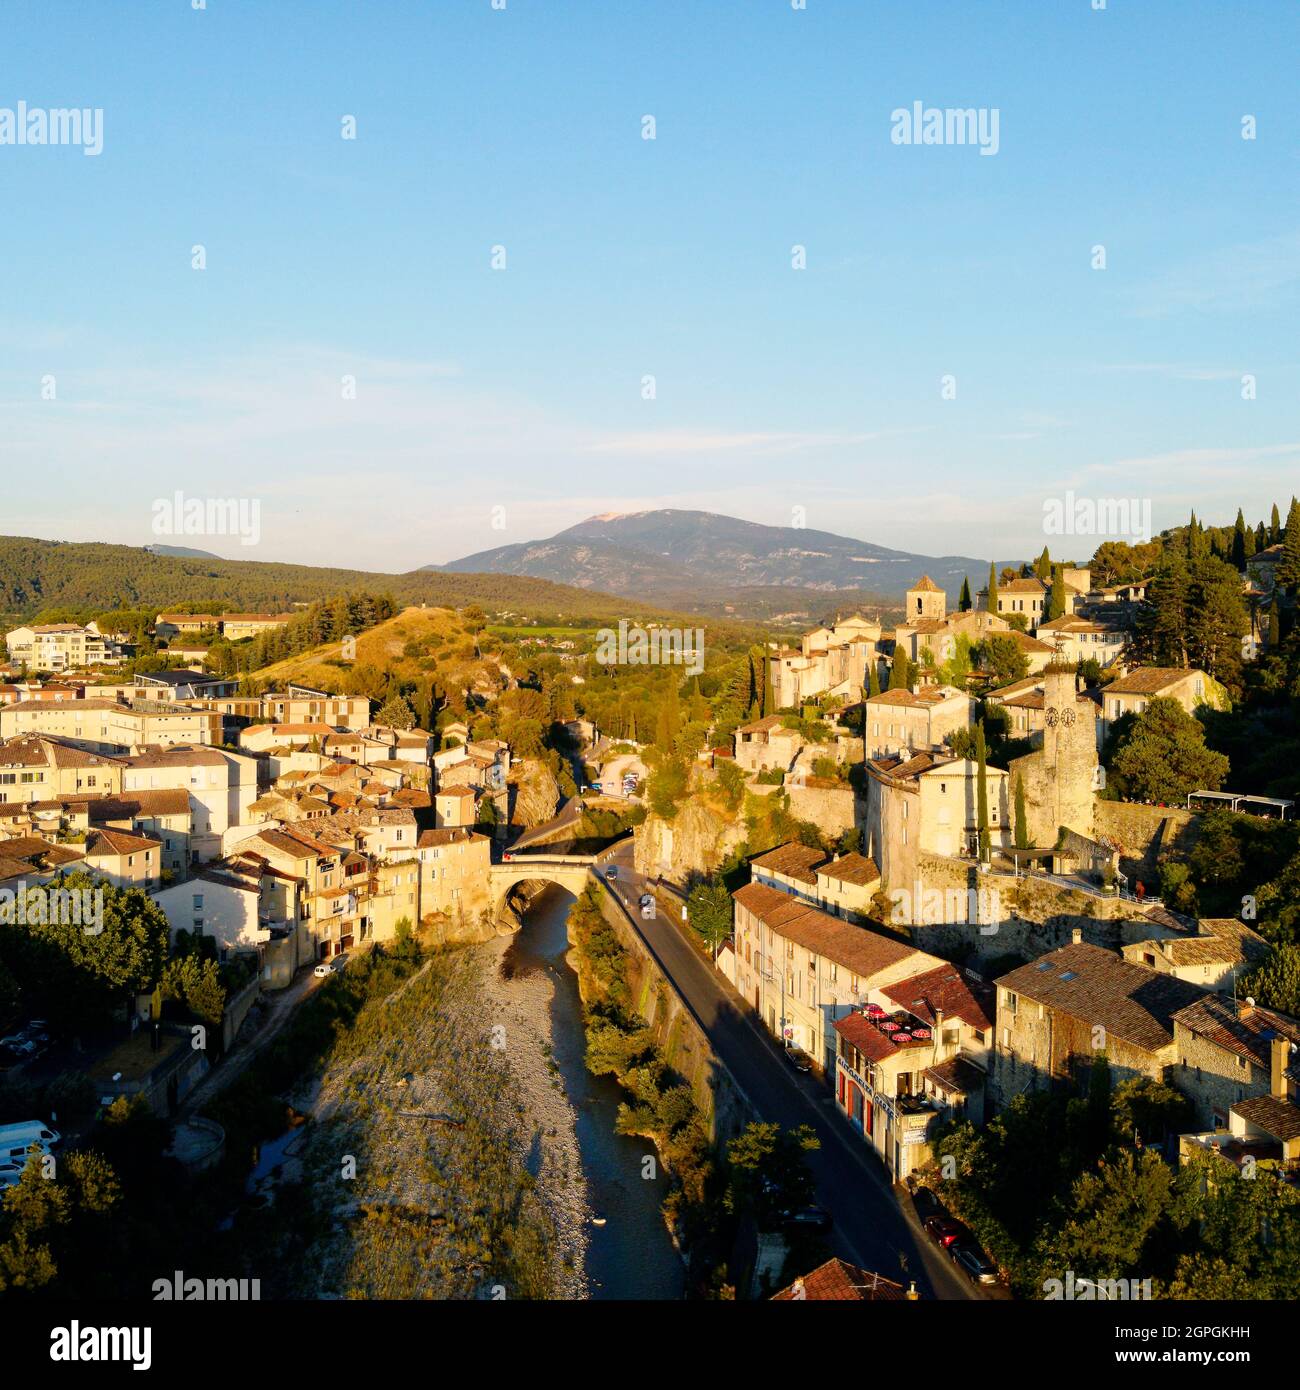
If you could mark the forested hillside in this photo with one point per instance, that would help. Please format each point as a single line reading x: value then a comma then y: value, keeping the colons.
x: 37, y: 576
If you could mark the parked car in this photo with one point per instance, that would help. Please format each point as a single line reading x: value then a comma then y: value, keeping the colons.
x: 974, y: 1263
x: 612, y: 872
x: 945, y: 1230
x: 323, y: 971
x: 798, y: 1058
x: 808, y: 1219
x: 339, y: 962
x: 10, y: 1174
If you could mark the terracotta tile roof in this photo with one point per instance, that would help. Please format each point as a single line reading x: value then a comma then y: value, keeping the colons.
x: 957, y: 993
x: 871, y: 1041
x: 106, y: 841
x: 1277, y: 1117
x: 176, y: 755
x: 859, y: 950
x: 1023, y: 586
x: 1148, y: 680
x: 926, y: 585
x: 1098, y: 987
x: 958, y: 1074
x: 431, y: 839
x: 764, y: 725
x: 166, y: 802
x: 1243, y: 1031
x: 794, y: 860
x: 839, y: 1280
x: 851, y: 868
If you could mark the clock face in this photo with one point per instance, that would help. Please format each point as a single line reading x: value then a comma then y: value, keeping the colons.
x: 1050, y: 718
x: 1068, y: 717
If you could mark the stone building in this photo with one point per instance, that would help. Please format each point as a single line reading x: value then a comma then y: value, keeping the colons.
x: 1230, y: 1050
x: 1056, y: 1013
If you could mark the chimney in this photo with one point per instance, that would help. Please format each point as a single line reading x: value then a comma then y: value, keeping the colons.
x: 1245, y: 1007
x: 1279, y: 1050
x: 938, y: 1027
x: 1076, y: 936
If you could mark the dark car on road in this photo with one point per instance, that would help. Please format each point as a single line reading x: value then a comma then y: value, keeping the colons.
x: 945, y: 1231
x: 973, y: 1262
x: 807, y: 1219
x: 798, y: 1058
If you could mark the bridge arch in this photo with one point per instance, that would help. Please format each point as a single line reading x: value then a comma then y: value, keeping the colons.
x: 569, y: 871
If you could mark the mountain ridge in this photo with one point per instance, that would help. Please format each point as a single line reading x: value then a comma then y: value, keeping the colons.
x: 662, y: 550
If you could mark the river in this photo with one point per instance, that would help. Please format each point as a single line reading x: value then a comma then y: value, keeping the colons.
x: 631, y: 1256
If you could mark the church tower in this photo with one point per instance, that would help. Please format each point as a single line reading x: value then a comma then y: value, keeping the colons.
x: 926, y: 600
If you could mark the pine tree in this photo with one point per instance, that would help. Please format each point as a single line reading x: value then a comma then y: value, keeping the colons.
x: 1161, y: 635
x: 992, y: 603
x: 963, y: 601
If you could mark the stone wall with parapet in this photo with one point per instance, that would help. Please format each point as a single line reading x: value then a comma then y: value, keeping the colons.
x: 1143, y: 833
x: 1029, y: 916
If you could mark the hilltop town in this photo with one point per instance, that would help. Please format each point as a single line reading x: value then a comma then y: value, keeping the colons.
x: 963, y: 866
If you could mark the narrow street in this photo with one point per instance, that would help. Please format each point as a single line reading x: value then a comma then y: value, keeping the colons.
x: 871, y: 1228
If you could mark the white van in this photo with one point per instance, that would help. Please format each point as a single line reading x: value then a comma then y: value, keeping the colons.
x: 16, y: 1139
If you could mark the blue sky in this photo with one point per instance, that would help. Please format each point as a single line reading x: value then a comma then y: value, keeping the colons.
x: 522, y: 388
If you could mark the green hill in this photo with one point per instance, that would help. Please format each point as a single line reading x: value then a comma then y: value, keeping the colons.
x: 37, y: 576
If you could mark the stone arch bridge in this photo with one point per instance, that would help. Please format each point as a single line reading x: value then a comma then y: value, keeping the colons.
x: 570, y: 871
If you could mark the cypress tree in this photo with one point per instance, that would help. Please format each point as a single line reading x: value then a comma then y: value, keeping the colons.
x: 900, y: 671
x: 1022, y: 822
x: 1274, y: 625
x: 1056, y: 595
x: 992, y: 604
x: 1288, y: 565
x: 963, y: 601
x: 873, y: 679
x: 1043, y: 566
x: 982, y: 790
x: 1274, y: 527
x: 769, y: 695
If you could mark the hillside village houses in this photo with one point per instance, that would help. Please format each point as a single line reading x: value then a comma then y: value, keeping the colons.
x: 286, y: 823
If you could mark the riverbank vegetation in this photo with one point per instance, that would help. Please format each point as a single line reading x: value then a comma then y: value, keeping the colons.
x: 716, y: 1201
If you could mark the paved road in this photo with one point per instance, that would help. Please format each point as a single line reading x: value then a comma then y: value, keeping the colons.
x: 871, y: 1229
